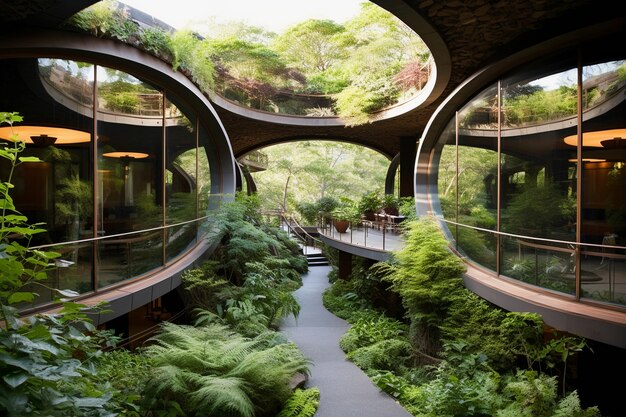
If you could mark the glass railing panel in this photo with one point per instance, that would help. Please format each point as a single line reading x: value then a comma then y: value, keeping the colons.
x: 550, y: 265
x: 478, y: 245
x: 129, y: 255
x: 603, y: 274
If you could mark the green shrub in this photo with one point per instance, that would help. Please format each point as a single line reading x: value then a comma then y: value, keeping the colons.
x: 302, y: 403
x: 369, y: 329
x: 212, y: 371
x: 427, y: 276
x: 390, y: 354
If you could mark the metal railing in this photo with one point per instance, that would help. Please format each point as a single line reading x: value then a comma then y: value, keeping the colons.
x: 300, y: 233
x: 382, y: 235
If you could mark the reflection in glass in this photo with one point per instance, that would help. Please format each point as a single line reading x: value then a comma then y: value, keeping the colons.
x: 206, y: 151
x: 603, y: 205
x: 72, y: 79
x: 535, y: 99
x: 538, y: 186
x: 130, y: 188
x: 119, y: 92
x: 548, y: 266
x: 180, y: 179
x: 477, y: 176
x: 603, y: 272
x: 447, y: 178
x: 478, y: 245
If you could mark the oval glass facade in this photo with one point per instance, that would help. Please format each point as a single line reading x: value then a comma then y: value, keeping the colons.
x: 124, y: 181
x: 532, y: 175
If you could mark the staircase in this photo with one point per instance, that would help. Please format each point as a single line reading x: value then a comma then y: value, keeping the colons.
x: 317, y: 259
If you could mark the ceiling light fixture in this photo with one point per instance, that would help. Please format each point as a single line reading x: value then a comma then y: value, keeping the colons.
x: 44, y: 135
x: 598, y: 138
x: 126, y: 155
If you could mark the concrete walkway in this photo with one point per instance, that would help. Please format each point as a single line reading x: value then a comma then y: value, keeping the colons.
x: 345, y: 390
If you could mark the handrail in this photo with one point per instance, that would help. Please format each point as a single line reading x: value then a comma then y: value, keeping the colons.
x: 306, y: 238
x: 374, y: 234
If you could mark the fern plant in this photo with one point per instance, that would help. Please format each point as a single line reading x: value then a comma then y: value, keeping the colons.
x: 212, y: 371
x: 302, y: 403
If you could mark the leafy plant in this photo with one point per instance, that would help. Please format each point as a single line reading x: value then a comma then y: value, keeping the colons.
x: 21, y: 269
x: 302, y: 403
x: 46, y: 361
x: 213, y: 371
x: 369, y: 203
x: 346, y: 211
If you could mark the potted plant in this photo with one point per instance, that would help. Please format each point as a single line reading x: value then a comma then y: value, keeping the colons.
x: 369, y: 205
x: 343, y: 215
x: 391, y: 204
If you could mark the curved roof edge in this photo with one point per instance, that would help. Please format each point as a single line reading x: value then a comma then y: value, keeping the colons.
x: 594, y: 322
x: 434, y: 42
x: 69, y: 45
x: 434, y: 87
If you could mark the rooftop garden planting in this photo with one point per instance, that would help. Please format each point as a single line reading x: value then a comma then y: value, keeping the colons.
x: 316, y: 68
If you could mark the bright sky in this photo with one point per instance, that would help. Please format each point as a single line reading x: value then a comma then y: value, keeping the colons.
x: 274, y: 15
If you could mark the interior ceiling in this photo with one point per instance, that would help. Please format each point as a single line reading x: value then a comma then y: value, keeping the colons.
x: 476, y: 33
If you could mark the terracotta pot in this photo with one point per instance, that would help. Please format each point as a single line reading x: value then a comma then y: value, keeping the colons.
x: 341, y: 225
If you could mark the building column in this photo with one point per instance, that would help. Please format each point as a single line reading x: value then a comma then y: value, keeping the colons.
x: 408, y: 153
x: 390, y: 179
x: 345, y: 265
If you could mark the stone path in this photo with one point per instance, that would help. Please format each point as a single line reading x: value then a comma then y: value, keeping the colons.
x: 345, y: 390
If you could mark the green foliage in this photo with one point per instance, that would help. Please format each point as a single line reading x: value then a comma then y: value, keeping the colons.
x: 357, y: 62
x: 390, y: 354
x: 242, y: 242
x: 212, y: 371
x: 126, y: 374
x: 193, y: 55
x: 341, y: 300
x: 537, y: 209
x: 428, y: 278
x: 156, y: 41
x: 96, y: 19
x: 346, y: 211
x: 47, y: 363
x: 204, y: 289
x: 21, y: 269
x: 313, y: 45
x: 302, y: 403
x: 535, y: 395
x: 369, y: 329
x: 541, y: 106
x: 309, y: 212
x: 370, y: 202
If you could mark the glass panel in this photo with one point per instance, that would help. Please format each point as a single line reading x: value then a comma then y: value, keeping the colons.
x: 604, y: 273
x: 128, y: 256
x: 181, y: 178
x: 121, y: 93
x: 603, y: 201
x: 204, y: 177
x: 478, y: 161
x: 538, y: 186
x: 446, y: 173
x: 478, y: 245
x: 477, y: 177
x: 57, y: 108
x: 129, y: 177
x: 550, y: 267
x: 604, y: 153
x: 71, y: 271
x: 68, y: 81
